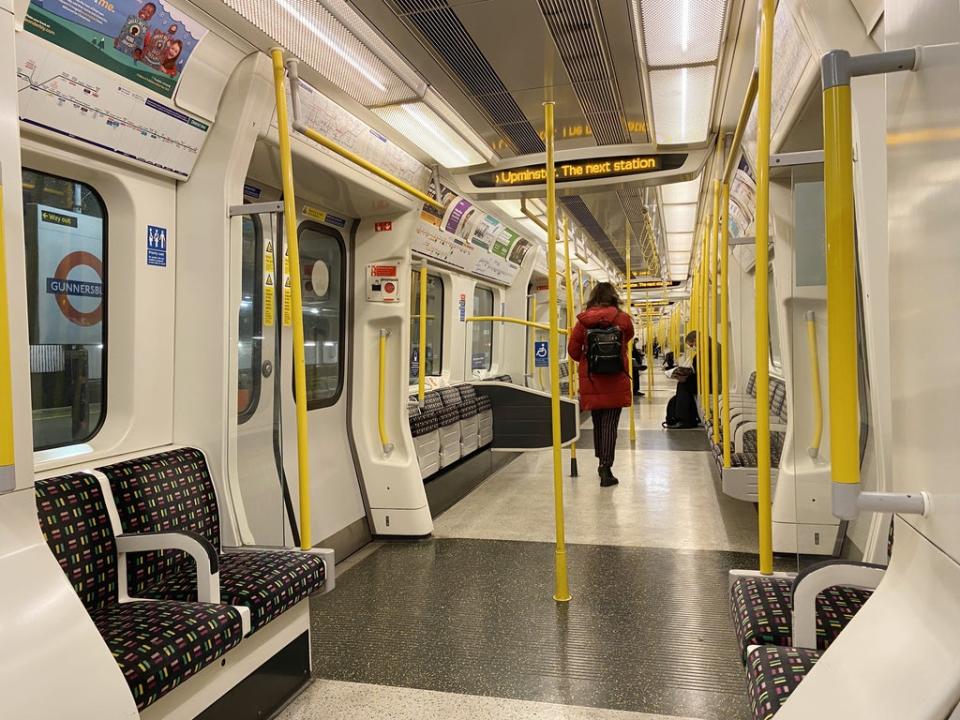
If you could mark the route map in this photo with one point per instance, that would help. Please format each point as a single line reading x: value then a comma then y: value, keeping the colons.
x: 74, y: 98
x: 327, y: 118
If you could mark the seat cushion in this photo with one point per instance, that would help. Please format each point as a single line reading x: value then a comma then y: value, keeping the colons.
x: 158, y: 645
x: 763, y: 611
x: 773, y: 673
x: 266, y: 582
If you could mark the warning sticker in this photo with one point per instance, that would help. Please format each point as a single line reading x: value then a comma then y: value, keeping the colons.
x: 269, y: 285
x: 287, y: 291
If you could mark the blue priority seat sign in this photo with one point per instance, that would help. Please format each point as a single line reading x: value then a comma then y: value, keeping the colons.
x: 541, y: 353
x: 156, y: 246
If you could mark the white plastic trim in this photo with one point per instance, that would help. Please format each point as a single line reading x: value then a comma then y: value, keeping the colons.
x: 805, y: 595
x: 208, y: 583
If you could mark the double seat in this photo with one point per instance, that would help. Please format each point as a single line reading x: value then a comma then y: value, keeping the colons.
x: 784, y: 624
x: 743, y: 424
x: 140, y: 542
x: 454, y: 422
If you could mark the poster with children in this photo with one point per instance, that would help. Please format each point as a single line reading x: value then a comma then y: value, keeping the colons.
x: 146, y: 41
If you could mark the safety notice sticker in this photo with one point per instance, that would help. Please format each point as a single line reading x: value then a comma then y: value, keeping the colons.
x: 287, y: 291
x: 269, y: 286
x: 156, y: 246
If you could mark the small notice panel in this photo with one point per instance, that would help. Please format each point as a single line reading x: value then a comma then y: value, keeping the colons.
x: 385, y: 226
x: 541, y: 353
x: 463, y: 307
x: 156, y: 246
x: 287, y: 290
x: 269, y: 285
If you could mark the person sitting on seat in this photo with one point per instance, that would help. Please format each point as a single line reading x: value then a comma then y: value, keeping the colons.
x: 638, y: 367
x: 682, y: 410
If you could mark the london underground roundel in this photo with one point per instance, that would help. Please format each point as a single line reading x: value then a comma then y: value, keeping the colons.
x: 77, y: 285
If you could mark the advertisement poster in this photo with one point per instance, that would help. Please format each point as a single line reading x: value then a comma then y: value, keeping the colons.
x: 504, y: 243
x: 148, y: 43
x: 519, y: 251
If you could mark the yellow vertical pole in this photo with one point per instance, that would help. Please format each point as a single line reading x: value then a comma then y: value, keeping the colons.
x: 422, y: 340
x: 7, y: 459
x: 705, y: 322
x: 841, y: 289
x: 761, y: 294
x: 627, y: 242
x: 571, y: 363
x: 299, y: 364
x: 533, y: 337
x: 561, y: 589
x: 725, y: 317
x: 714, y: 364
x: 702, y: 342
x: 649, y: 350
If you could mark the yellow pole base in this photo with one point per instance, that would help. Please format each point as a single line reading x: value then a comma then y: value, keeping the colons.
x: 561, y: 588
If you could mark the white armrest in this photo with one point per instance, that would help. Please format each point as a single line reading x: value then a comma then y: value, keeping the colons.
x: 752, y: 425
x: 203, y: 553
x: 329, y: 567
x: 814, y: 581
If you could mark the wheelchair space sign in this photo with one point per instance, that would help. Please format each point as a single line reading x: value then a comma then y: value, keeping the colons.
x: 541, y: 353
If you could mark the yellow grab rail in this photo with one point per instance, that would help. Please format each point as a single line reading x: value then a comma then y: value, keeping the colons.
x: 422, y: 339
x: 382, y: 392
x: 515, y: 321
x: 533, y: 337
x: 571, y: 363
x: 627, y: 243
x: 745, y: 110
x: 562, y: 589
x: 649, y: 352
x: 292, y: 66
x: 714, y: 365
x: 299, y: 363
x: 725, y: 317
x: 761, y: 295
x: 7, y: 456
x: 814, y: 449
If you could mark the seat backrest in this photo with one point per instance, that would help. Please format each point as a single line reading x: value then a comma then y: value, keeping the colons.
x: 432, y: 401
x: 450, y: 397
x: 74, y: 520
x: 166, y: 491
x: 752, y: 384
x: 778, y: 396
x: 467, y: 392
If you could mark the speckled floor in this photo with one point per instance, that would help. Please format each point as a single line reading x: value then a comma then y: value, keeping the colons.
x: 463, y: 626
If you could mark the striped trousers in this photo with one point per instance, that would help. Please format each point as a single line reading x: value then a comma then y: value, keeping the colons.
x: 605, y: 434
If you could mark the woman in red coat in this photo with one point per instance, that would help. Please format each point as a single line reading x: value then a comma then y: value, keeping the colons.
x: 603, y: 394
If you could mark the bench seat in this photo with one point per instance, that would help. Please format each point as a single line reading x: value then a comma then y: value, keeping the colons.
x: 773, y: 673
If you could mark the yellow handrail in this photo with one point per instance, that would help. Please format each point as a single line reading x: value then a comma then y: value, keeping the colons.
x: 382, y: 393
x: 841, y: 286
x: 725, y: 316
x: 334, y: 147
x: 516, y: 321
x: 745, y: 110
x: 533, y: 337
x: 714, y: 365
x: 562, y: 589
x: 7, y: 456
x: 761, y: 295
x: 571, y: 363
x: 422, y: 339
x: 299, y: 362
x: 814, y: 449
x: 627, y: 242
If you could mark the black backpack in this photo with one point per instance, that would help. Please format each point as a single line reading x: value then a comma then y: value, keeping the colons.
x: 604, y: 351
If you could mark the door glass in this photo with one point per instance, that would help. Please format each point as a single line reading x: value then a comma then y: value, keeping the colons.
x: 434, y: 349
x: 322, y: 276
x: 250, y: 338
x: 482, y: 346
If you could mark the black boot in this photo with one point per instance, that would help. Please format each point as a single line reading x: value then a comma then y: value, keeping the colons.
x: 606, y: 477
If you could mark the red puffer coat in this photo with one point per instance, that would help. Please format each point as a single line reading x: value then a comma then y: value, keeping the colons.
x: 598, y: 392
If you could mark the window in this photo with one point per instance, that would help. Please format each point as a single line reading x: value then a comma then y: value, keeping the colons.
x: 65, y: 226
x: 774, y: 326
x: 250, y: 338
x: 322, y: 275
x: 434, y: 348
x: 481, y: 352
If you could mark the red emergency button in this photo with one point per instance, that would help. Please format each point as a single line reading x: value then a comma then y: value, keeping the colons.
x: 389, y: 287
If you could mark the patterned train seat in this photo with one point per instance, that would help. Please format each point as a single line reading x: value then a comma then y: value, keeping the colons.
x: 425, y: 431
x: 773, y: 673
x: 157, y: 645
x: 448, y: 419
x: 173, y: 490
x: 467, y: 414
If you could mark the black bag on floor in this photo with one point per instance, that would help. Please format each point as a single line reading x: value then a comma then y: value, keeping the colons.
x: 672, y: 410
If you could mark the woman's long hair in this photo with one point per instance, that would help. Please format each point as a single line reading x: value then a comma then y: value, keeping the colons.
x: 604, y: 295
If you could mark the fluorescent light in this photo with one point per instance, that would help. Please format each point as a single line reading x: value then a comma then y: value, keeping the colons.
x: 684, y: 35
x: 680, y: 218
x: 681, y: 103
x: 510, y: 207
x: 347, y: 57
x: 679, y: 241
x: 428, y: 131
x: 680, y: 193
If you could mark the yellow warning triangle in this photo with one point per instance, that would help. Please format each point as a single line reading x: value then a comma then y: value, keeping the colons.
x: 269, y: 247
x: 287, y: 283
x: 269, y: 280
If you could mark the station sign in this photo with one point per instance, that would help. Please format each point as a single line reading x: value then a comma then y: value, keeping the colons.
x: 595, y: 168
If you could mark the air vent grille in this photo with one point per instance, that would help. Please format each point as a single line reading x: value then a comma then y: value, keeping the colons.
x: 578, y: 208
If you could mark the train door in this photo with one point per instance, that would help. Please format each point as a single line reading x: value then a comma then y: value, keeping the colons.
x: 338, y: 515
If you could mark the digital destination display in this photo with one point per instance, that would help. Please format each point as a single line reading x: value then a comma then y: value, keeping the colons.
x: 577, y: 170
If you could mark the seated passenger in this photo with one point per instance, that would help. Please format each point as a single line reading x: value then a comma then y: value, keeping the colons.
x: 682, y: 410
x: 638, y: 367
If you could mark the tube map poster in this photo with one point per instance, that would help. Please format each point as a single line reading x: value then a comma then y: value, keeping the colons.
x: 146, y: 42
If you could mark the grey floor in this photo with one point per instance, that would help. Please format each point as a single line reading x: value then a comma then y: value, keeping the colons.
x: 463, y: 625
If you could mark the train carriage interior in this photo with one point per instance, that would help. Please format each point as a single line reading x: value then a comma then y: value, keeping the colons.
x: 466, y: 359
